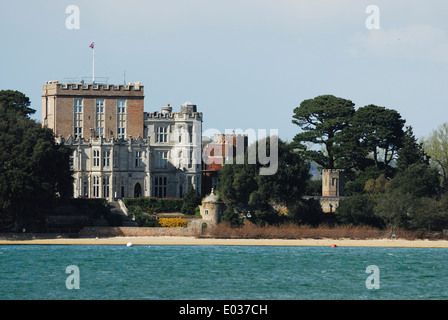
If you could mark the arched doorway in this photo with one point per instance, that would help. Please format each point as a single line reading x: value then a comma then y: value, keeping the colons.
x: 137, y: 190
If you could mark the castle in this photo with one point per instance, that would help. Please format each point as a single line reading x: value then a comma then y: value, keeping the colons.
x: 120, y: 151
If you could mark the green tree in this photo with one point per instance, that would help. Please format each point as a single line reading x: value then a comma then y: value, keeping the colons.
x: 428, y: 214
x: 436, y: 146
x: 358, y: 210
x: 419, y: 180
x: 394, y: 208
x: 322, y: 120
x: 412, y: 152
x: 375, y: 131
x: 244, y: 189
x: 191, y: 200
x: 34, y: 169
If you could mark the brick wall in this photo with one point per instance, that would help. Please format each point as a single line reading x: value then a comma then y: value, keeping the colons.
x: 58, y: 107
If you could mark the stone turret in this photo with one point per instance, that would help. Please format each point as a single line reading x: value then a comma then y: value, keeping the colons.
x: 332, y: 189
x: 332, y: 182
x: 212, y: 208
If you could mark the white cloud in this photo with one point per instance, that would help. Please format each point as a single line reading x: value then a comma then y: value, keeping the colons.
x: 413, y: 42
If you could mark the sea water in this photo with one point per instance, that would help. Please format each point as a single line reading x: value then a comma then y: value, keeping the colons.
x: 221, y: 272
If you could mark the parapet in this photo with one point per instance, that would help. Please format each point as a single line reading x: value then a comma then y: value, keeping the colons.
x: 187, y: 111
x: 83, y: 88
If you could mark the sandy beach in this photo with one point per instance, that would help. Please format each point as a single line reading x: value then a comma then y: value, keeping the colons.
x: 233, y: 242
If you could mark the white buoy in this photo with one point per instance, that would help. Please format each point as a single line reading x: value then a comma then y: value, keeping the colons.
x: 130, y: 244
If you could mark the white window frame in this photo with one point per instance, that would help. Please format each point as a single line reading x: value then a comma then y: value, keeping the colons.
x: 160, y: 186
x: 100, y: 118
x: 78, y: 117
x: 161, y: 134
x: 106, y: 158
x: 161, y: 159
x: 121, y: 118
x: 138, y: 160
x: 96, y: 158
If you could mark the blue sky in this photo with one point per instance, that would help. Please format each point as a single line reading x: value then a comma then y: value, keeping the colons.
x: 245, y: 63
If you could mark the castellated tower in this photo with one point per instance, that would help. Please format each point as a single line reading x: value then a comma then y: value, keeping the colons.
x: 332, y: 183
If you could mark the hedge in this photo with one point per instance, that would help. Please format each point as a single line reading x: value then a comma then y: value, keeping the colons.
x: 155, y: 205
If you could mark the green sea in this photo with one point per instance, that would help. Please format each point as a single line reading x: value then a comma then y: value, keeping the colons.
x: 81, y: 272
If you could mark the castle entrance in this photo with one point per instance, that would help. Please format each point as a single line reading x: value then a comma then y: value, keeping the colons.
x: 137, y: 190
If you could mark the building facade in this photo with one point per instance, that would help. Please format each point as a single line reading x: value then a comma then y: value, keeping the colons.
x: 221, y: 150
x: 119, y: 151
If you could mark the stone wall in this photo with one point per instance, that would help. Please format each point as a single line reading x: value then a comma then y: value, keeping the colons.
x: 194, y: 229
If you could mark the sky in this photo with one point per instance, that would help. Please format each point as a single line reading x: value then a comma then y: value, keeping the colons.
x: 246, y: 64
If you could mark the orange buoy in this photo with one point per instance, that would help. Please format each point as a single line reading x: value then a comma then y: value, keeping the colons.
x: 333, y: 246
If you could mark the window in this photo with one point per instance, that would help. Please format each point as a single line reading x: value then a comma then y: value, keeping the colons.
x: 106, y: 186
x: 96, y: 158
x: 162, y: 134
x: 86, y: 186
x: 115, y: 159
x: 99, y: 105
x: 100, y: 118
x: 121, y: 118
x: 78, y: 118
x: 106, y: 158
x: 161, y: 159
x: 190, y: 161
x: 138, y: 159
x: 96, y: 186
x: 190, y: 134
x: 72, y: 160
x: 160, y: 187
x: 122, y: 187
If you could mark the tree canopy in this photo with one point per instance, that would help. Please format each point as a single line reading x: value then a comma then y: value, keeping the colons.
x: 322, y: 120
x: 243, y: 188
x: 34, y: 169
x: 436, y: 145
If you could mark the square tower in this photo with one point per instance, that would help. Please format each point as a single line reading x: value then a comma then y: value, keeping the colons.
x: 86, y: 110
x: 333, y: 183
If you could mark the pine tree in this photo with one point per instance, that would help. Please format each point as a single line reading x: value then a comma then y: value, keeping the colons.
x: 191, y: 200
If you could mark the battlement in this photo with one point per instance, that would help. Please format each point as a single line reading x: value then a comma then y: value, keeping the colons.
x: 57, y: 88
x: 187, y: 111
x: 99, y: 141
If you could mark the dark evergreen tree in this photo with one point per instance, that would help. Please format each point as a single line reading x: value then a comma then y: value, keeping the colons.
x: 245, y: 190
x: 412, y: 151
x: 191, y: 200
x: 34, y: 169
x: 322, y: 121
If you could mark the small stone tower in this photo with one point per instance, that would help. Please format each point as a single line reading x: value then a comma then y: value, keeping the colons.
x: 212, y: 208
x: 332, y: 183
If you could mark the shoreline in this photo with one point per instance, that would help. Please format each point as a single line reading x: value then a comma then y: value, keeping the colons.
x: 173, y: 240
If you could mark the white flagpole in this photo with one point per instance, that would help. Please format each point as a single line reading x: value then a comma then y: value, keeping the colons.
x: 93, y: 63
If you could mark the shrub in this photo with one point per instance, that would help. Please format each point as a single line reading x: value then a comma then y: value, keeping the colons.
x: 155, y: 205
x: 191, y: 201
x: 142, y: 219
x: 307, y: 212
x: 172, y: 222
x: 358, y: 210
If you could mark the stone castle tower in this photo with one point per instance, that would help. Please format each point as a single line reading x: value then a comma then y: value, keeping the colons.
x: 332, y: 189
x: 332, y: 182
